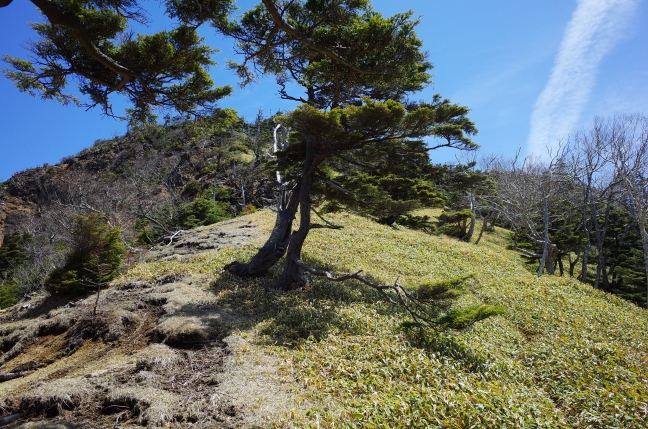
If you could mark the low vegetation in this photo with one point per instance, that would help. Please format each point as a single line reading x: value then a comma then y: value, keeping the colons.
x: 561, y: 355
x: 500, y: 346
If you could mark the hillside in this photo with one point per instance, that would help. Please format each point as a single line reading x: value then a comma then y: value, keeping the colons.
x: 177, y: 341
x: 143, y: 177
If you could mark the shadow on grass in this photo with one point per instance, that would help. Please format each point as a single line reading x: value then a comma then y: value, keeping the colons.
x: 286, y: 318
x: 313, y: 312
x: 283, y: 318
x: 35, y: 308
x: 445, y: 344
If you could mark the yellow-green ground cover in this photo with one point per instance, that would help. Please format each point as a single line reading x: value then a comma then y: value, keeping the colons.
x: 562, y: 355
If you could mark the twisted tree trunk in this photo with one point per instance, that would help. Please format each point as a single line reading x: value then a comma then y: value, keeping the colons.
x: 275, y: 247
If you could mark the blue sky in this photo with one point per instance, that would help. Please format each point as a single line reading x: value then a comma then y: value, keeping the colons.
x: 531, y: 71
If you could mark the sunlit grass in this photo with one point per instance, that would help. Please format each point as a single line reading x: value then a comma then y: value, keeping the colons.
x: 562, y: 354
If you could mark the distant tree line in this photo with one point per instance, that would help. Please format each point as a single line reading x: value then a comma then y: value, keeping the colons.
x: 583, y: 211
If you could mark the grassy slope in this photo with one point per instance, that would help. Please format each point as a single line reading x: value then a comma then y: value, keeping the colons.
x: 562, y: 355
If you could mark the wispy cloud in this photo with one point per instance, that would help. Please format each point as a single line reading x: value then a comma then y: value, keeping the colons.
x: 595, y: 28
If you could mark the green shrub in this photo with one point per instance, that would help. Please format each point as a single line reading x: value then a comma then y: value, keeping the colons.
x: 13, y: 255
x: 247, y: 210
x: 202, y: 211
x: 12, y: 251
x: 456, y: 223
x: 9, y: 294
x: 94, y: 258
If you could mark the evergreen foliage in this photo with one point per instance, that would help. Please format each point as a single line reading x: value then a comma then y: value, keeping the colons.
x: 202, y: 211
x: 91, y: 42
x: 626, y: 274
x: 94, y: 244
x: 13, y: 254
x: 456, y: 223
x: 13, y: 251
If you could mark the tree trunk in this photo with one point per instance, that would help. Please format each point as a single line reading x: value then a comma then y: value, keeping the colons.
x: 471, y: 230
x: 545, y: 245
x: 572, y: 264
x: 276, y: 245
x: 291, y: 272
x: 644, y: 240
x: 586, y: 228
x: 601, y: 272
x: 483, y: 227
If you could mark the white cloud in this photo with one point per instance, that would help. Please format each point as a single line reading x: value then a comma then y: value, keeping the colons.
x: 595, y: 28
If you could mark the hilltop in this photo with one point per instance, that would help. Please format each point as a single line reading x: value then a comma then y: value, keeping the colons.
x: 177, y: 340
x: 145, y: 178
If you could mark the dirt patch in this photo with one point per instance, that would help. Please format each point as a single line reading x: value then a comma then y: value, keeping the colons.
x: 154, y: 355
x: 232, y: 233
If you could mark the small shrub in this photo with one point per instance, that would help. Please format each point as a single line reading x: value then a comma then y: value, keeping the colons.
x: 94, y: 244
x: 456, y: 223
x: 201, y: 212
x: 247, y: 210
x: 12, y: 251
x: 422, y: 223
x: 191, y: 189
x: 13, y: 257
x: 9, y: 294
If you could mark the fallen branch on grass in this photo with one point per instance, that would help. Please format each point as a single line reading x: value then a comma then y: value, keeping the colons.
x: 430, y: 306
x: 400, y: 295
x: 9, y: 419
x: 11, y: 375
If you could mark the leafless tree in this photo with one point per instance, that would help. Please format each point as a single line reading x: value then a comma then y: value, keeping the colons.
x: 626, y: 149
x: 525, y: 190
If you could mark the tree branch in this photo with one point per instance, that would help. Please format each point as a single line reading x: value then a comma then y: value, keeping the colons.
x: 403, y: 297
x: 11, y: 375
x: 328, y: 224
x: 56, y: 17
x: 281, y: 23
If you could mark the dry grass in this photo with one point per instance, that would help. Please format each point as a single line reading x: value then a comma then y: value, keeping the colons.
x: 154, y: 407
x: 262, y: 384
x: 157, y: 355
x: 53, y: 397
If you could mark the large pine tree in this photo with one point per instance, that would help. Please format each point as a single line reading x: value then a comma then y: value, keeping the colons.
x: 356, y: 140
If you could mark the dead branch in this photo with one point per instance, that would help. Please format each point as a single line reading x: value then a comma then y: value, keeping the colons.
x: 10, y: 419
x: 11, y: 375
x: 173, y: 236
x: 400, y: 295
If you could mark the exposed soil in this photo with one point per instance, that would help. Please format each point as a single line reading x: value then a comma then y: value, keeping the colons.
x: 156, y: 354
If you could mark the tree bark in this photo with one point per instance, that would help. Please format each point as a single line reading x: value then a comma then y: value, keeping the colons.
x: 644, y: 240
x: 587, y: 199
x: 11, y: 375
x: 483, y: 227
x: 275, y: 247
x: 471, y: 230
x: 291, y: 273
x: 572, y: 264
x: 601, y: 272
x: 545, y: 246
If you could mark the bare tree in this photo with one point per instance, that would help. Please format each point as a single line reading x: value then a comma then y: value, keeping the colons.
x: 527, y: 191
x: 596, y: 179
x: 626, y: 148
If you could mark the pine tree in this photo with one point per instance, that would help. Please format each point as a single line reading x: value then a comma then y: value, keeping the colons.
x: 356, y: 140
